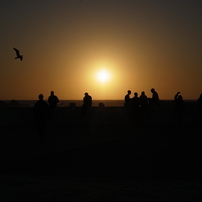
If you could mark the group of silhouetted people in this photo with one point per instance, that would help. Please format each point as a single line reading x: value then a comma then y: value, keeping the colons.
x: 179, y: 108
x: 179, y: 102
x: 44, y: 111
x: 137, y: 105
x: 142, y: 101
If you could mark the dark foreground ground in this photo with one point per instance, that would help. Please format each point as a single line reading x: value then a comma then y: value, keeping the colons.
x: 157, y: 162
x: 151, y: 164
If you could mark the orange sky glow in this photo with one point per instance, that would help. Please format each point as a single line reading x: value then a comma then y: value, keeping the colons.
x: 142, y: 44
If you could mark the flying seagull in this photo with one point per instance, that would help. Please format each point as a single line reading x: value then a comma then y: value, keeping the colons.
x: 18, y: 54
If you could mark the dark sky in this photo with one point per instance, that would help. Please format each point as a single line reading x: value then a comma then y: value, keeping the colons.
x: 143, y: 44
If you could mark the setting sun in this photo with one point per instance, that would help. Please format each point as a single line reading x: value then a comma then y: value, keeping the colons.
x: 103, y: 76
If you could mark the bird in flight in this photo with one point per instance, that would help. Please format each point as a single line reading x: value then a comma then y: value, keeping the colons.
x: 18, y: 54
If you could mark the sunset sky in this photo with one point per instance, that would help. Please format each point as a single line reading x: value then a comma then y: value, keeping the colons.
x: 141, y: 44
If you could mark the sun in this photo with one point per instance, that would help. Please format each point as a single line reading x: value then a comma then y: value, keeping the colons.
x: 103, y: 76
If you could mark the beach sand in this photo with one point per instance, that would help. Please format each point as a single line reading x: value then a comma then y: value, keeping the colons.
x: 95, y: 159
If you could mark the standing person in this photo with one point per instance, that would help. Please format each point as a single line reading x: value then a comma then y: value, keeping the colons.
x: 127, y: 99
x: 155, y: 98
x: 87, y: 102
x: 199, y: 103
x: 144, y: 106
x: 135, y: 104
x: 199, y: 110
x: 144, y: 102
x: 41, y: 114
x: 135, y: 101
x: 52, y: 100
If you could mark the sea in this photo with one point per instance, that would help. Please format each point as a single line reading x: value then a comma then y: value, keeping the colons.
x: 78, y: 103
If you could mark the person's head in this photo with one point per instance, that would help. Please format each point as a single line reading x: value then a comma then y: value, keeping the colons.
x: 86, y: 94
x: 129, y: 92
x: 135, y: 94
x: 40, y: 97
x: 52, y: 92
x: 143, y: 93
x: 152, y: 90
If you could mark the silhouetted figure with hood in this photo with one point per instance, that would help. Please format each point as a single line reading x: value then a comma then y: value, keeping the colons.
x: 127, y: 99
x: 179, y: 103
x: 179, y: 107
x: 41, y: 114
x: 87, y: 103
x: 52, y: 100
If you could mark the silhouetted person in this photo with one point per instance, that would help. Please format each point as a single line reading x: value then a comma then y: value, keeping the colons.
x: 135, y: 101
x: 179, y: 103
x: 52, y: 100
x: 144, y: 106
x: 135, y: 104
x: 127, y: 99
x: 41, y: 114
x: 199, y: 103
x: 155, y: 98
x: 179, y: 107
x: 199, y: 110
x: 144, y: 101
x: 87, y: 102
